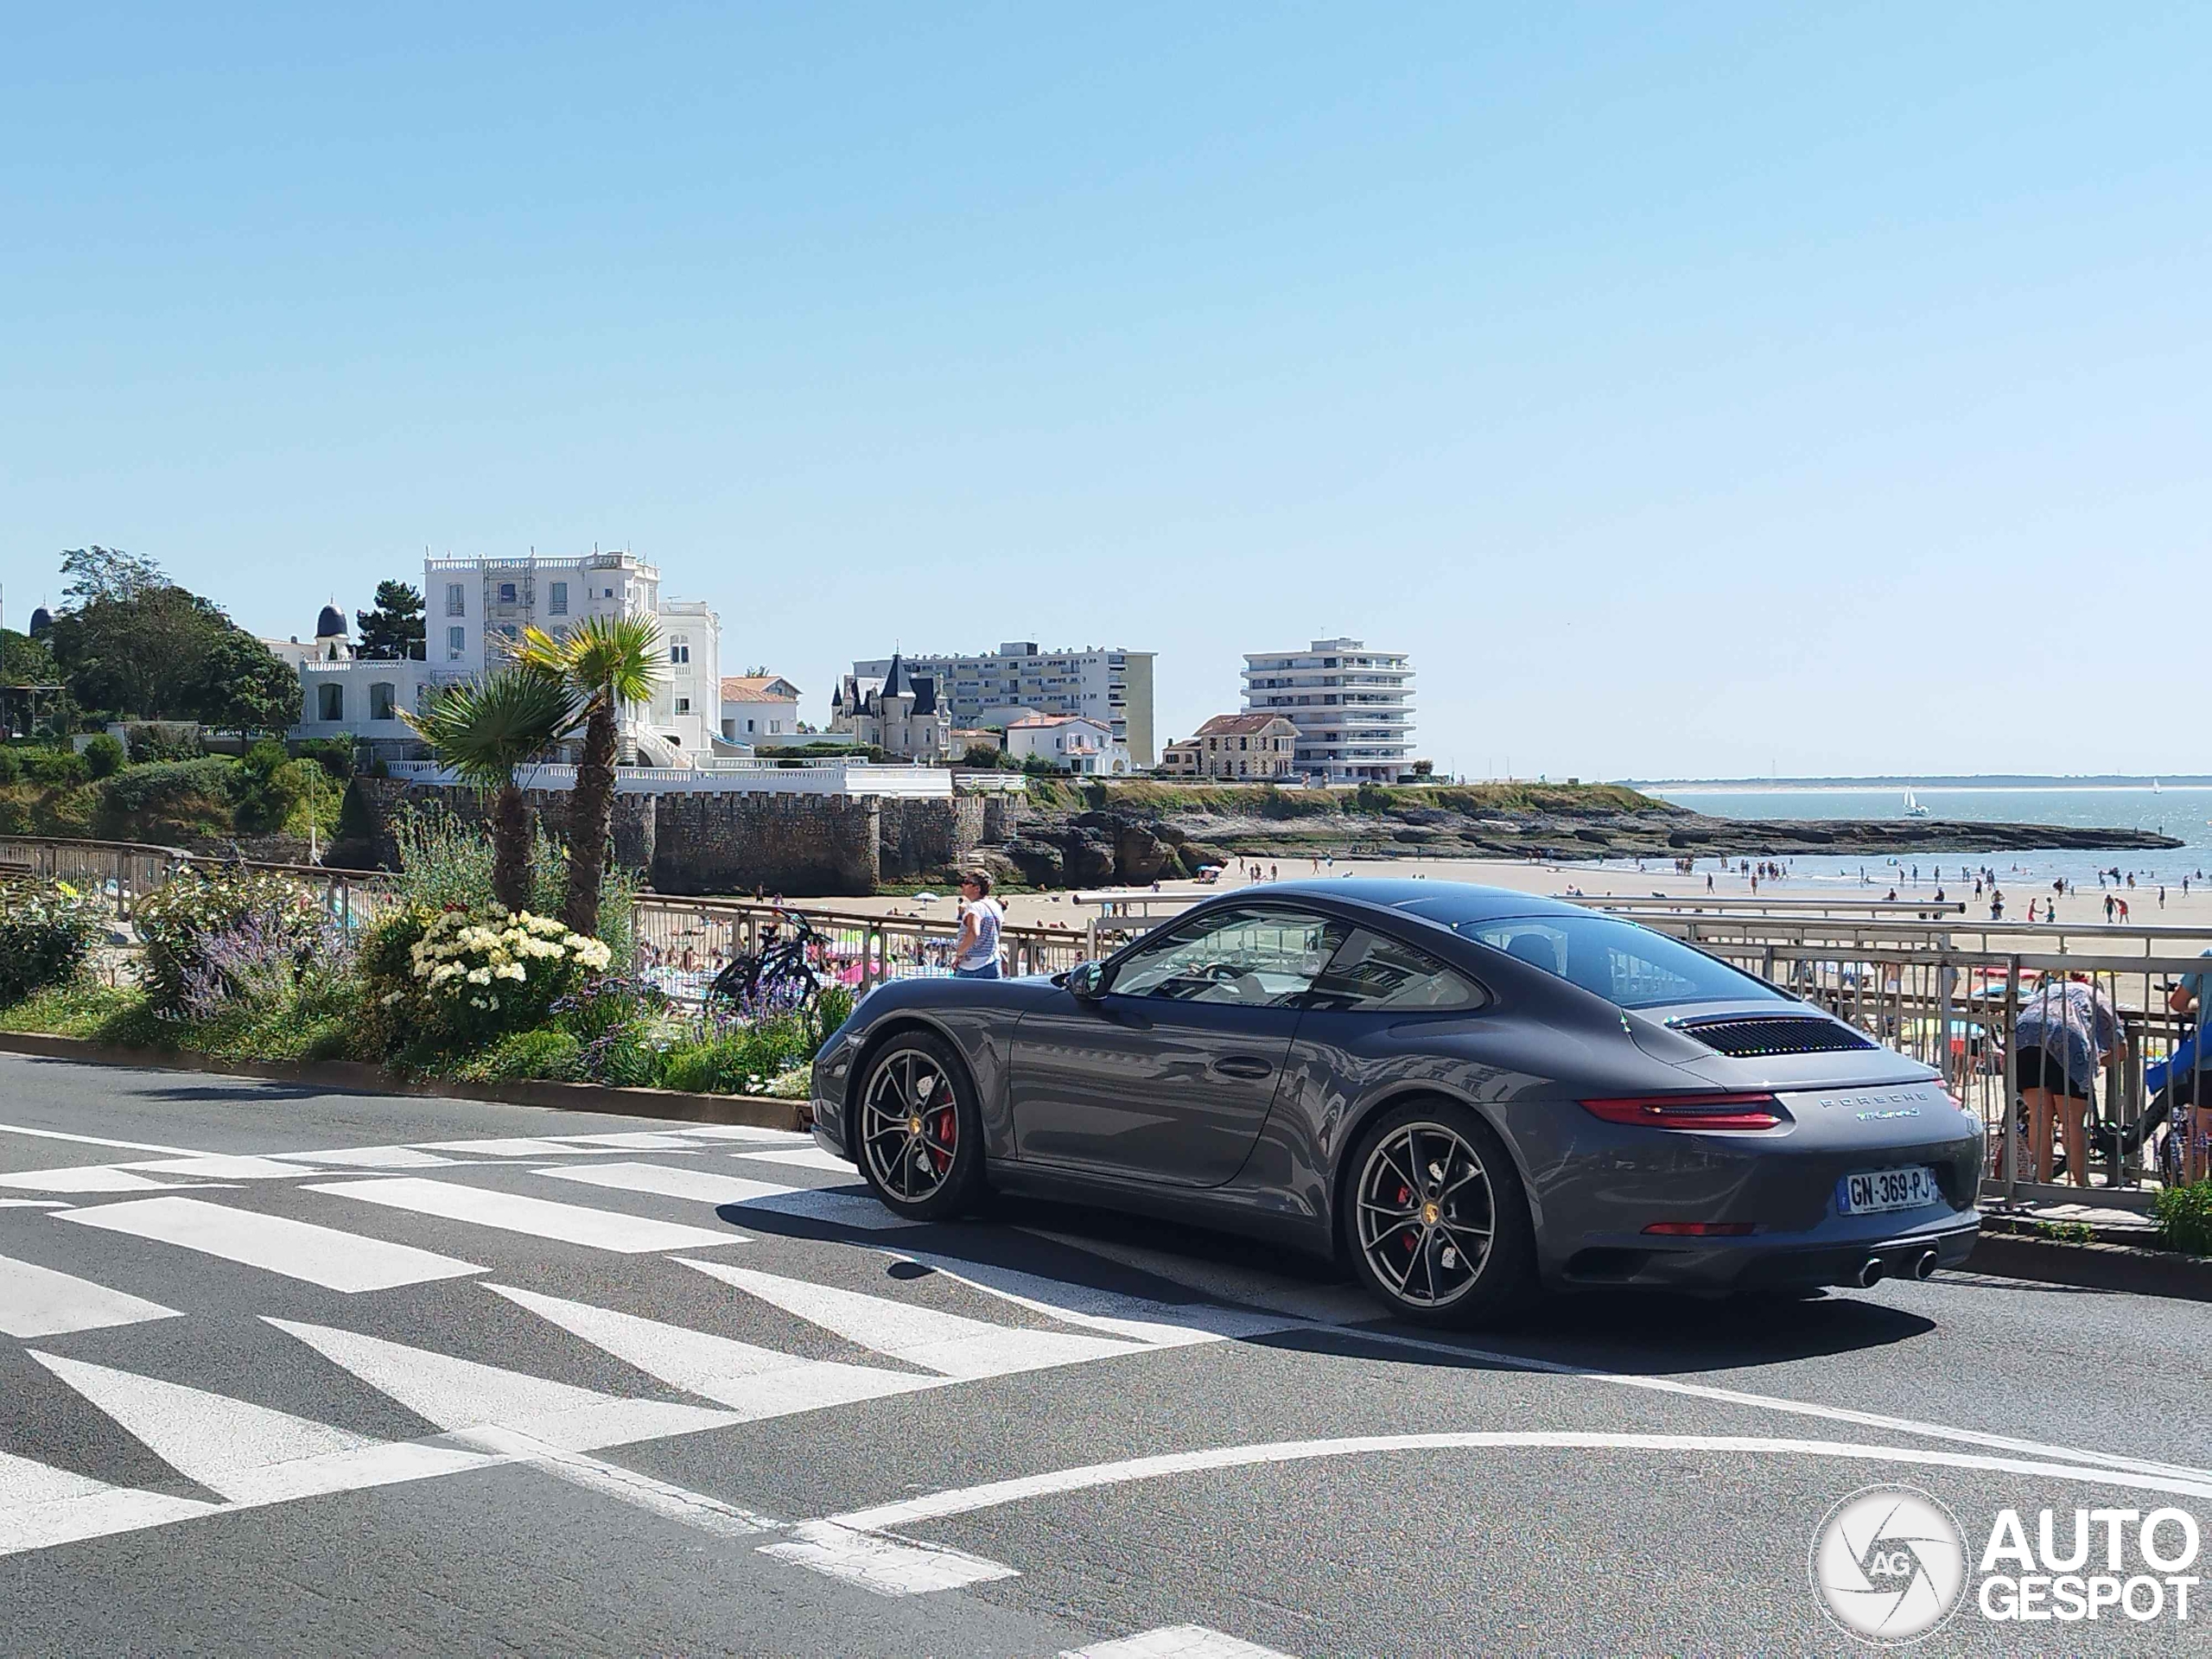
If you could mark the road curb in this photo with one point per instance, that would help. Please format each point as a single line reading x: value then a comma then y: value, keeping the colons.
x: 749, y: 1111
x: 2093, y: 1267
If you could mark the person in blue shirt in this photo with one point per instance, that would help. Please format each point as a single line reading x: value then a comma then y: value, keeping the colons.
x: 2187, y: 997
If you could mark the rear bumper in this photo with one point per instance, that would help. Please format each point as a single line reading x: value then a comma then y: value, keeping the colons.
x: 1834, y: 1254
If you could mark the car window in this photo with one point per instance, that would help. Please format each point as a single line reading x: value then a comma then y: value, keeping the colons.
x: 1247, y: 958
x: 1631, y: 967
x: 1372, y: 974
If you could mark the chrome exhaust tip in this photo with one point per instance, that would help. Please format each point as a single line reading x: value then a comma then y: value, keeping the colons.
x: 1925, y: 1266
x: 1870, y: 1271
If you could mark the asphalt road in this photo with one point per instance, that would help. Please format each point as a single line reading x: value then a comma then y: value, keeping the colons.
x: 284, y: 1371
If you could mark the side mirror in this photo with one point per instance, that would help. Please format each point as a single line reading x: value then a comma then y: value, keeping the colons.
x: 1087, y: 981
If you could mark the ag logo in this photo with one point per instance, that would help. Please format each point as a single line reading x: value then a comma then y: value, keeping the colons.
x: 1889, y: 1564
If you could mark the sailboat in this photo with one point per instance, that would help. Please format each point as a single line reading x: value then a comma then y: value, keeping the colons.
x: 2155, y: 790
x: 1913, y: 809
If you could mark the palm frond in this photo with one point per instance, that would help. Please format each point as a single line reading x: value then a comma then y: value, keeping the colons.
x: 484, y: 729
x: 615, y: 658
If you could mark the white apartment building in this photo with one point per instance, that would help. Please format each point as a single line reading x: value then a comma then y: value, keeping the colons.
x: 996, y: 687
x: 472, y: 605
x: 1352, y: 706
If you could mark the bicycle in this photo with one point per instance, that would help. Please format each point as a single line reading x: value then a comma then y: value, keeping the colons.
x: 781, y: 976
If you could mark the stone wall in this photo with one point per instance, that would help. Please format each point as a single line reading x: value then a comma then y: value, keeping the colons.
x: 799, y: 845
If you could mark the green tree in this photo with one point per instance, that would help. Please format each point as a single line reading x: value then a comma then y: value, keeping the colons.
x: 26, y: 661
x: 394, y: 631
x: 603, y: 663
x: 160, y: 652
x: 98, y: 572
x: 484, y: 730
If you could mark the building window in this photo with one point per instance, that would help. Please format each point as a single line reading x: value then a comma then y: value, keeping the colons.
x: 506, y: 593
x: 556, y: 603
x: 382, y: 702
x: 683, y: 705
x: 330, y: 701
x: 748, y: 725
x: 456, y: 599
x: 679, y: 653
x: 456, y: 643
x: 507, y: 631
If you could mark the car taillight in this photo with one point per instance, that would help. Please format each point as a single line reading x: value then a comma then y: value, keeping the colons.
x: 1702, y: 1229
x: 1705, y: 1112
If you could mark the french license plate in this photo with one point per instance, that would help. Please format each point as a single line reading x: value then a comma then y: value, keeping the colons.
x: 1886, y: 1189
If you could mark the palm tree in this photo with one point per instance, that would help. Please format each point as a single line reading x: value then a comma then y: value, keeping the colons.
x: 604, y: 662
x: 483, y: 730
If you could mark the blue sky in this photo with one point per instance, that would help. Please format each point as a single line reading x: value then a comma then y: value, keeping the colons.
x: 1690, y: 389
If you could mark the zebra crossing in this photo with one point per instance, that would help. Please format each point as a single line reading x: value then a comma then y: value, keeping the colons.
x: 328, y: 1239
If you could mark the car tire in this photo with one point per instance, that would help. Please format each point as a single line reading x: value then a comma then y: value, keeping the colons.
x: 916, y: 1131
x: 1447, y: 1171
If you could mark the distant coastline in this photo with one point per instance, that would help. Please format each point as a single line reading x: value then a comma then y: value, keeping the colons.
x: 1935, y: 780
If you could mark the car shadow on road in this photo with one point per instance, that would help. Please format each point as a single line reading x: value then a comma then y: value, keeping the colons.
x: 1621, y: 1329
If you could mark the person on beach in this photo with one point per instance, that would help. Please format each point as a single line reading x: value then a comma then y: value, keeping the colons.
x: 2067, y: 1030
x: 1996, y: 905
x: 2187, y: 998
x: 975, y: 953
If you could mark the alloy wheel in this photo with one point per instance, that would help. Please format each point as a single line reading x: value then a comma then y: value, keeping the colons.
x: 910, y: 1125
x: 1426, y: 1214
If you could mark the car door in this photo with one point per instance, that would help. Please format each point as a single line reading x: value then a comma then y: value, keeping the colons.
x: 1169, y: 1076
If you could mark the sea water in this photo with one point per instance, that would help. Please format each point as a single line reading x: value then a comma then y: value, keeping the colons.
x: 2181, y: 811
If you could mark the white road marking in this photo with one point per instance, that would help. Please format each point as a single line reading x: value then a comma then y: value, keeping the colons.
x: 505, y: 1147
x: 966, y: 1500
x: 1138, y: 1318
x: 745, y: 1132
x: 566, y: 1223
x: 298, y: 1249
x: 1246, y: 1286
x: 800, y: 1157
x: 223, y: 1167
x: 250, y: 1453
x: 365, y: 1158
x: 99, y: 1141
x: 88, y: 1178
x: 947, y: 1343
x: 37, y: 1301
x: 32, y: 1204
x: 41, y: 1506
x: 625, y: 1485
x: 846, y: 1207
x: 1175, y: 1641
x: 888, y: 1566
x: 755, y: 1382
x: 633, y: 1140
x: 462, y: 1394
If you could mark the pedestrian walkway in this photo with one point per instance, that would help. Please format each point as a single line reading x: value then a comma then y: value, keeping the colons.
x: 427, y: 1275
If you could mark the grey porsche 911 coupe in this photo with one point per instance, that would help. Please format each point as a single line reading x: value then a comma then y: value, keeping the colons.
x: 1467, y: 1094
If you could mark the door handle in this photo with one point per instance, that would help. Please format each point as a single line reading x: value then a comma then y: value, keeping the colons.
x: 1243, y: 1065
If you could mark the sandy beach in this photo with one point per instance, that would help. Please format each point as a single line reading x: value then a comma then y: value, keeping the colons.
x: 2078, y: 909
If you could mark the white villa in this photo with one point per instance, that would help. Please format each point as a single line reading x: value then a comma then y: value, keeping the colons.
x: 1077, y: 742
x: 472, y: 605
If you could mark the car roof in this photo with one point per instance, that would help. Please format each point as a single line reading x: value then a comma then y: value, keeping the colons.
x: 1444, y: 901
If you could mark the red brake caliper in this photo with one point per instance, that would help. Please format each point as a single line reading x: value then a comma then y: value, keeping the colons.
x: 1406, y: 1236
x: 946, y: 1126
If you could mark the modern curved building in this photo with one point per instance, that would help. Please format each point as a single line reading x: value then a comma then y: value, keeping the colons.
x: 1352, y: 706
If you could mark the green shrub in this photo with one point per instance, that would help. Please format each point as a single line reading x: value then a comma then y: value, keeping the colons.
x: 55, y: 767
x: 473, y: 978
x: 156, y: 741
x: 742, y: 1060
x: 547, y: 1052
x: 85, y: 1007
x: 2185, y: 1217
x: 182, y: 922
x: 171, y: 800
x: 333, y: 754
x: 47, y: 931
x: 104, y: 757
x: 11, y: 765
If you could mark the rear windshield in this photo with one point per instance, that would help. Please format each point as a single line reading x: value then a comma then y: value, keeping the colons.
x: 1631, y: 967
